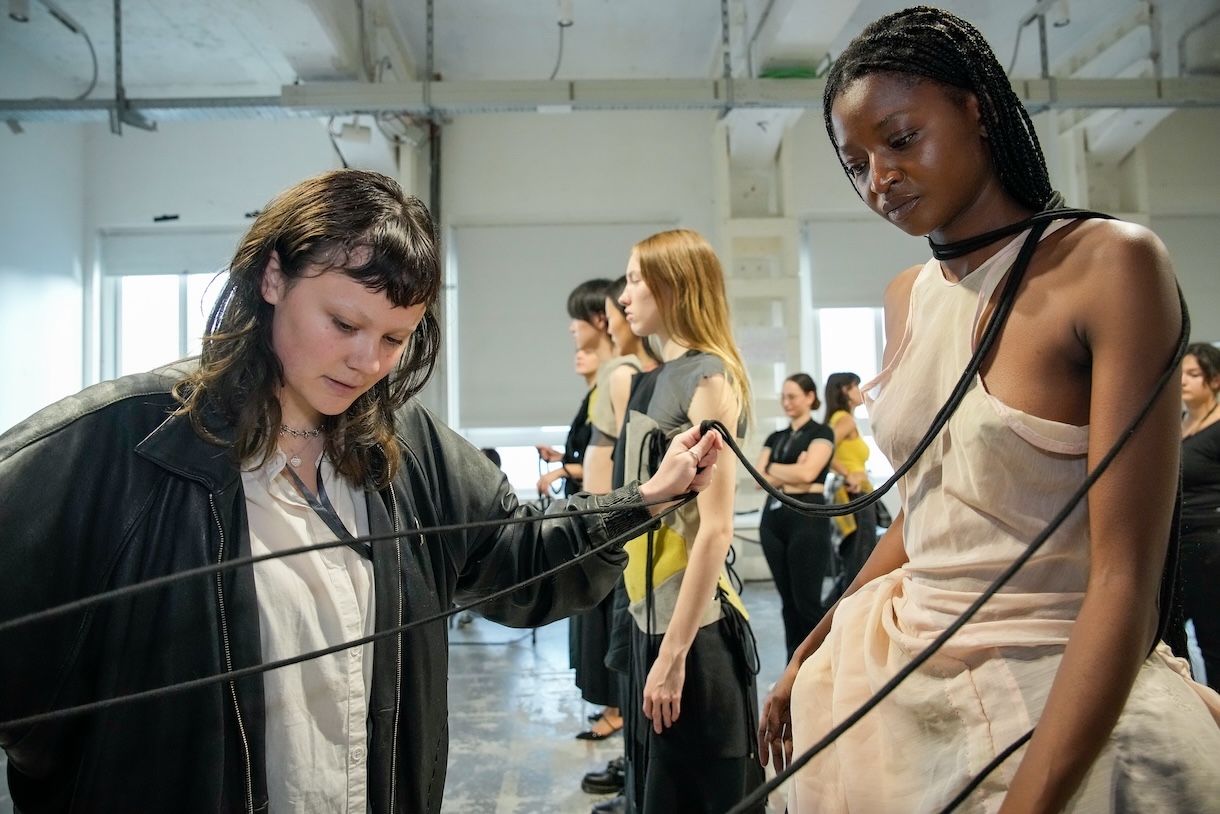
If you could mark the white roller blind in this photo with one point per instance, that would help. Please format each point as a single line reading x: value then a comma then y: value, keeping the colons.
x: 195, y: 251
x: 515, y: 355
x: 853, y: 260
x: 1191, y: 243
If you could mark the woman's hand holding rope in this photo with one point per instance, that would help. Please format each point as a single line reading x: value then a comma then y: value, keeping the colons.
x: 686, y: 468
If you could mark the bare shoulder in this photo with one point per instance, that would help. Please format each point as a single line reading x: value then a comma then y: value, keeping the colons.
x: 1125, y: 252
x: 897, y: 302
x: 1123, y: 275
x: 713, y: 398
x: 899, y: 289
x: 622, y: 373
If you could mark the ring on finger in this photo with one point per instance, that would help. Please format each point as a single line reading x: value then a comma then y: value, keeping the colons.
x: 694, y: 455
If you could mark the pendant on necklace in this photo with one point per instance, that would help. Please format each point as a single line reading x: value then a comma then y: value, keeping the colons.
x: 295, y: 460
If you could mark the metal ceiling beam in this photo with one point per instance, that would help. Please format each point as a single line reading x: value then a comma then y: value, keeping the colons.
x: 454, y: 97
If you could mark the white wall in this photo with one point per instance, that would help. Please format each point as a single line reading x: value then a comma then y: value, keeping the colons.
x: 591, y: 167
x: 207, y: 173
x: 565, y: 173
x: 1183, y: 182
x: 41, y: 235
x: 819, y: 186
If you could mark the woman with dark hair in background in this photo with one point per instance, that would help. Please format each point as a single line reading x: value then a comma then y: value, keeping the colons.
x: 296, y: 426
x: 1199, y: 561
x: 850, y: 463
x: 632, y: 354
x: 797, y: 547
x: 935, y: 141
x: 571, y: 460
x: 586, y: 310
x: 589, y: 632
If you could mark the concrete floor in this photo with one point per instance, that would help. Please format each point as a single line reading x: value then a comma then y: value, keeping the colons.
x: 514, y: 711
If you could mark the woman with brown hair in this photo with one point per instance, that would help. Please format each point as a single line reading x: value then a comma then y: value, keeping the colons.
x: 850, y: 463
x: 692, y: 651
x: 295, y: 427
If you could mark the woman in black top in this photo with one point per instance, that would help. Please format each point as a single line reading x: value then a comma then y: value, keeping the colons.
x: 797, y: 547
x: 573, y: 455
x: 1200, y: 546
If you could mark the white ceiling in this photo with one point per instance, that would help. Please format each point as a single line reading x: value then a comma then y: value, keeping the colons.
x: 234, y: 48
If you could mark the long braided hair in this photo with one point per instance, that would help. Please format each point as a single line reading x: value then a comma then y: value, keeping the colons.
x: 933, y: 44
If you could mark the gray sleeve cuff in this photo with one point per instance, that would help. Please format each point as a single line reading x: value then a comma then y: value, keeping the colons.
x: 632, y: 514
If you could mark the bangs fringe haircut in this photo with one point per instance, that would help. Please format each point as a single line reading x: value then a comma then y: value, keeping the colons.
x: 686, y: 279
x: 931, y: 43
x: 318, y: 226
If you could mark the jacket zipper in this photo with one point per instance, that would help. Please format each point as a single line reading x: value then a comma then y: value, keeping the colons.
x: 398, y: 658
x: 224, y: 634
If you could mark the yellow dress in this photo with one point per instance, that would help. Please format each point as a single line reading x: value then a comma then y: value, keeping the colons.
x: 852, y: 454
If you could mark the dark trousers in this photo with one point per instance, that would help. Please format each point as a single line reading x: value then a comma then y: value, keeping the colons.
x: 798, y: 552
x: 854, y: 551
x: 706, y: 762
x: 1198, y: 581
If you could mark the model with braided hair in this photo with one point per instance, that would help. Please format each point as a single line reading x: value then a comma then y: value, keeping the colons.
x: 933, y: 139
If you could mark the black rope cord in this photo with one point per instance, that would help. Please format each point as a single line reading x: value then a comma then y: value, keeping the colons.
x: 220, y: 678
x: 115, y: 594
x: 991, y: 590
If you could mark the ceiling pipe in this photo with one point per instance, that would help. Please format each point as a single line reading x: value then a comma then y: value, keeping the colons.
x: 122, y: 112
x: 320, y: 100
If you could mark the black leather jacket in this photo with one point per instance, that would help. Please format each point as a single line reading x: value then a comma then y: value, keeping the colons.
x: 106, y: 489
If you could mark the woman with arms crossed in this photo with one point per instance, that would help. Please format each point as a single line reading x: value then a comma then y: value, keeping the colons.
x: 797, y: 547
x: 935, y: 141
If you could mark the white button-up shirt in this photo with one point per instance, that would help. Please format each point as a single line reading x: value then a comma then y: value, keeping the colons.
x: 317, y: 710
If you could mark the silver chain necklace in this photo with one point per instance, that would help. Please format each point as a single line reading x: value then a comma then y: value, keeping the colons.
x: 295, y: 460
x: 295, y: 433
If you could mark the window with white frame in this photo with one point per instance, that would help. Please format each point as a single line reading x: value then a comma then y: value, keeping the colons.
x: 157, y: 289
x: 154, y: 319
x: 853, y: 340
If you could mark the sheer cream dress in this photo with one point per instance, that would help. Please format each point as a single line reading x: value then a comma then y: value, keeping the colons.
x: 983, y: 490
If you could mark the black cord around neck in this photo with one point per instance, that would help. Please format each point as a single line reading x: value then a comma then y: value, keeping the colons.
x: 961, y: 248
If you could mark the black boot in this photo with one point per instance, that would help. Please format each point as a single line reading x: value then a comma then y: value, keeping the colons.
x: 609, y: 781
x: 615, y: 805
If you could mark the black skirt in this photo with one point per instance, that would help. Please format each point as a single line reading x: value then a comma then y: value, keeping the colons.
x: 588, y: 641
